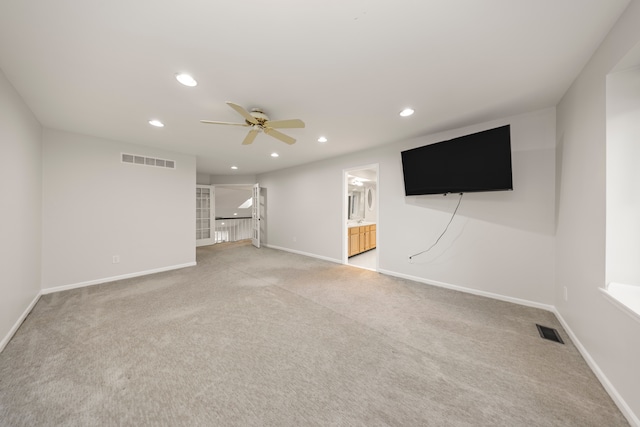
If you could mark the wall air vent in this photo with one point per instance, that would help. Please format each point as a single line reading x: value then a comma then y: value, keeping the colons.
x: 148, y: 161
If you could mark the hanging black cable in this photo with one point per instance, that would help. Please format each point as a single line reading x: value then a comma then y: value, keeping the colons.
x: 445, y: 230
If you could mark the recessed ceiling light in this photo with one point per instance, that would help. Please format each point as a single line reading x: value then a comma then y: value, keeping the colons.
x: 275, y: 155
x: 235, y: 213
x: 186, y: 80
x: 322, y: 139
x: 156, y: 123
x: 358, y: 178
x: 406, y: 112
x: 234, y: 167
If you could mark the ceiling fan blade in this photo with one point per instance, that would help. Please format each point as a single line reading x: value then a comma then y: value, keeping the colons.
x: 244, y: 113
x: 279, y: 135
x: 250, y: 136
x: 293, y: 123
x: 210, y: 122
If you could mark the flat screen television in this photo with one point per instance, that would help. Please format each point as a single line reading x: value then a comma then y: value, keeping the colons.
x: 470, y: 163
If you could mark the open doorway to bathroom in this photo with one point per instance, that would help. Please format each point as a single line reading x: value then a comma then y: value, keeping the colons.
x: 360, y: 217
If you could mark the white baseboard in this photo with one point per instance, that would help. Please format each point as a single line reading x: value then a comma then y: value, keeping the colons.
x: 15, y: 327
x: 611, y: 390
x: 46, y: 291
x: 519, y: 301
x: 304, y: 253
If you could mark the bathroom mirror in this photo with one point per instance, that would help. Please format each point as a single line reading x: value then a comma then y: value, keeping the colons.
x: 356, y: 204
x: 370, y: 198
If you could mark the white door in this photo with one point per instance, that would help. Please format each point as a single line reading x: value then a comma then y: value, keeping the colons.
x: 255, y: 216
x: 205, y: 215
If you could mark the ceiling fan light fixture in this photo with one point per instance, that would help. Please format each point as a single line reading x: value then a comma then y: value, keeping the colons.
x: 260, y: 123
x: 407, y: 112
x: 186, y: 80
x: 156, y: 123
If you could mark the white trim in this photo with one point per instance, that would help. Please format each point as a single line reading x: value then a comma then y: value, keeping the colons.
x: 324, y: 258
x: 46, y: 291
x: 619, y: 304
x: 362, y: 267
x: 211, y: 240
x: 610, y: 389
x: 345, y: 208
x: 527, y: 303
x: 491, y: 295
x: 608, y: 386
x: 255, y: 215
x: 15, y: 327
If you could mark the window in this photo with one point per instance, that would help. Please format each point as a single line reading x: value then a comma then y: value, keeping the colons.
x: 623, y: 187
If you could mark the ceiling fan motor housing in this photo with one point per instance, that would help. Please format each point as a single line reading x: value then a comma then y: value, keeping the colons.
x: 259, y: 116
x: 259, y: 122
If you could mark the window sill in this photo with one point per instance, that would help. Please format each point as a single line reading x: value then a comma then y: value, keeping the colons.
x: 625, y: 297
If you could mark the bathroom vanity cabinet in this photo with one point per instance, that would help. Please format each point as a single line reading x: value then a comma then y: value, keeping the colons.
x: 361, y: 239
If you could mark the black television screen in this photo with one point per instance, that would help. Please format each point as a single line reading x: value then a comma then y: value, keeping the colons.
x: 471, y: 163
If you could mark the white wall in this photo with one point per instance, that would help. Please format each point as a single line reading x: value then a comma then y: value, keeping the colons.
x: 611, y: 337
x: 623, y: 177
x: 303, y: 209
x: 500, y: 243
x: 229, y: 198
x: 232, y: 179
x: 20, y: 208
x: 203, y: 178
x: 95, y: 207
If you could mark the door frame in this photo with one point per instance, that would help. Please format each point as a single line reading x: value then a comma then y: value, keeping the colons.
x: 345, y: 207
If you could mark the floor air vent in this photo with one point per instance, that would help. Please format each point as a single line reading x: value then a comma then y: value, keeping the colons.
x: 549, y: 333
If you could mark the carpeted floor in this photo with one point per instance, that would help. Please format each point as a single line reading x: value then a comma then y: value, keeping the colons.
x: 264, y: 337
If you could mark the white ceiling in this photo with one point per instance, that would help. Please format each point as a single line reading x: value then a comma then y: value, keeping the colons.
x: 346, y: 68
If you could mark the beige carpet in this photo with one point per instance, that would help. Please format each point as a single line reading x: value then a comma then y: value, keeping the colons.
x: 264, y: 337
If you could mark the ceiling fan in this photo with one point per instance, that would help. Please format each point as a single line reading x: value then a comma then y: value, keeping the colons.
x: 259, y: 122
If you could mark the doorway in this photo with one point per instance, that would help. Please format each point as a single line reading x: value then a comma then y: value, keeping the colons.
x: 361, y: 224
x: 233, y: 215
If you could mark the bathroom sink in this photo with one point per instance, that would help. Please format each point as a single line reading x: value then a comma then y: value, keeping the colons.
x: 358, y: 224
